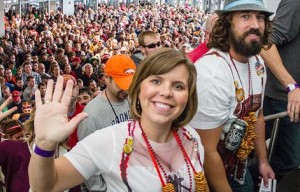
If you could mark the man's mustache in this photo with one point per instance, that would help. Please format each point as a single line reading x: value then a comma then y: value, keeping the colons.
x: 254, y: 32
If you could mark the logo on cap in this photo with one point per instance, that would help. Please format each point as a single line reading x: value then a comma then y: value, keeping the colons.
x: 129, y: 71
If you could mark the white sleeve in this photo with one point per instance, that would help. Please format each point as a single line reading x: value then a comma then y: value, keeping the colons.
x: 216, y: 93
x: 94, y: 153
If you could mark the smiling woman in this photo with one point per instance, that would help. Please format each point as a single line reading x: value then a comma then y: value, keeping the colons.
x: 155, y: 150
x: 171, y: 63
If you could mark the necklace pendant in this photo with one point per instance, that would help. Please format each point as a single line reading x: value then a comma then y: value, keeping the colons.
x: 130, y: 140
x: 240, y: 94
x: 200, y: 182
x: 169, y: 187
x: 236, y: 85
x: 127, y: 148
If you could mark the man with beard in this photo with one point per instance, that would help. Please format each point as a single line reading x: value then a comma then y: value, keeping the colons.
x: 83, y: 97
x: 230, y: 86
x: 108, y: 108
x: 93, y: 88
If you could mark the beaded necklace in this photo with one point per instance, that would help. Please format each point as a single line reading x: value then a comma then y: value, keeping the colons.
x: 200, y: 180
x: 247, y: 143
x: 127, y: 149
x: 240, y: 92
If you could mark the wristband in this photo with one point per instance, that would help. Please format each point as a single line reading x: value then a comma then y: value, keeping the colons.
x: 292, y: 86
x: 41, y: 152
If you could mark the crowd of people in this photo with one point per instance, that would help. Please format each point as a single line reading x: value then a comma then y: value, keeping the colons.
x: 144, y: 97
x: 39, y: 47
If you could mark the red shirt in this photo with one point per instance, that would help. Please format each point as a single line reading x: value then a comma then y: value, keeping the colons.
x: 198, y: 52
x: 73, y: 138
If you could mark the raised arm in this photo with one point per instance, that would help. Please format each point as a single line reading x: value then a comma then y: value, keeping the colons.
x: 213, y: 165
x: 273, y: 61
x: 52, y: 127
x: 7, y: 112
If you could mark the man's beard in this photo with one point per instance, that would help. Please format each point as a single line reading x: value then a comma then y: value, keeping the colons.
x: 246, y: 49
x: 121, y: 95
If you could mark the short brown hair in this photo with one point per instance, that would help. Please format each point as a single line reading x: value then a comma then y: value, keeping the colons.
x: 141, y: 37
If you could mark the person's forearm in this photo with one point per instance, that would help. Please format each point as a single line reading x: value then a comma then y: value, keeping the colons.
x: 215, y: 173
x: 41, y: 173
x: 260, y: 142
x: 274, y: 63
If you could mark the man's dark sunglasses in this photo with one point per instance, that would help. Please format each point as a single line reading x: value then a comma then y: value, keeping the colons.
x: 153, y: 45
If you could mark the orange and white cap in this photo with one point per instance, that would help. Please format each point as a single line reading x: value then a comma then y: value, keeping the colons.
x: 121, y: 68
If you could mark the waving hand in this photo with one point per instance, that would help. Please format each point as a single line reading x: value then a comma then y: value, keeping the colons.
x: 51, y: 121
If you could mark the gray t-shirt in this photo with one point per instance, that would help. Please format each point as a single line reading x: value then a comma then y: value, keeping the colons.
x: 100, y: 115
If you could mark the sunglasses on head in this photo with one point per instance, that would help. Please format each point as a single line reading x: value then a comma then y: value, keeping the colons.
x: 153, y: 45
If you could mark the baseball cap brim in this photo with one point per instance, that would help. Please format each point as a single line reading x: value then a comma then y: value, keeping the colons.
x: 123, y: 82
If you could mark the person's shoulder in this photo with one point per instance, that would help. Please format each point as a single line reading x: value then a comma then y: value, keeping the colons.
x: 290, y: 3
x: 191, y: 130
x: 213, y: 55
x: 190, y: 133
x: 11, y: 144
x: 96, y: 107
x: 213, y: 59
x: 119, y: 126
x: 94, y: 103
x: 35, y: 73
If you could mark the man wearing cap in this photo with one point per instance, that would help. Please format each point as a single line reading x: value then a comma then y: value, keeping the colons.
x: 111, y: 106
x: 105, y: 58
x: 97, y: 66
x: 17, y: 102
x: 230, y: 84
x: 76, y: 67
x: 83, y: 57
x: 86, y: 50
